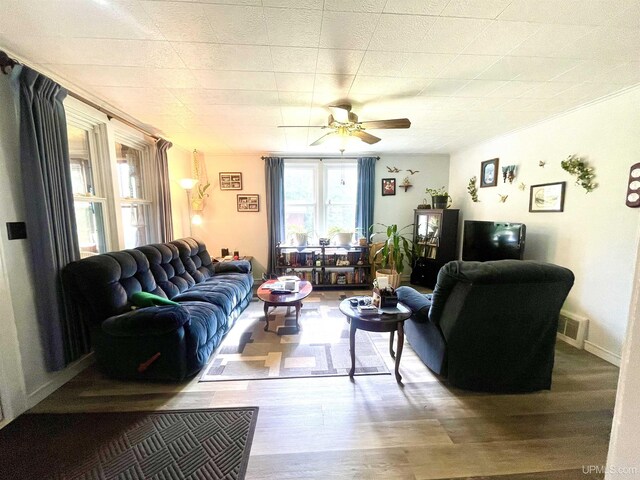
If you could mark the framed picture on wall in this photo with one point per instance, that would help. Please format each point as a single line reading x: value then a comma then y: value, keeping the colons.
x: 248, y: 203
x: 230, y: 180
x: 489, y: 173
x: 388, y: 186
x: 547, y: 197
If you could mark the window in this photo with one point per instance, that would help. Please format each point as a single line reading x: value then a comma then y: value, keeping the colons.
x: 112, y: 183
x: 319, y: 196
x: 89, y: 204
x: 135, y: 204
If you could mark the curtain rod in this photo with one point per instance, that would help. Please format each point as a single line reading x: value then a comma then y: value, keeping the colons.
x: 321, y: 158
x: 7, y: 63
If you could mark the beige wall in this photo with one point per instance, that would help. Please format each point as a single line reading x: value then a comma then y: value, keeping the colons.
x: 596, y: 235
x: 223, y: 226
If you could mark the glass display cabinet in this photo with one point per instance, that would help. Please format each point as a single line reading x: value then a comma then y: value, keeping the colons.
x: 435, y: 239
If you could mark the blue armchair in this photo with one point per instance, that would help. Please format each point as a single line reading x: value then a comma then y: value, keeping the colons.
x: 489, y: 326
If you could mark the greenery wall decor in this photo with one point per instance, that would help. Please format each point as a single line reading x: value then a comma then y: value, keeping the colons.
x: 473, y: 189
x: 583, y: 172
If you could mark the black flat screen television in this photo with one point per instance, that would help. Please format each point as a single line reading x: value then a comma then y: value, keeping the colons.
x: 483, y: 241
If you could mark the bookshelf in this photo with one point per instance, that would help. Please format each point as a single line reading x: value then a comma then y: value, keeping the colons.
x: 330, y: 266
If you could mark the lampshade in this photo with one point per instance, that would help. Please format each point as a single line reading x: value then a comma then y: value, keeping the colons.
x: 188, y: 183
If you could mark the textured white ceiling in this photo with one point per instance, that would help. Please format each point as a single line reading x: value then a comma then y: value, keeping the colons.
x: 221, y: 75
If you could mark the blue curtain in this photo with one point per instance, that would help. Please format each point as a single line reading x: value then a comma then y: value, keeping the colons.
x: 49, y: 212
x: 274, y: 175
x: 366, y: 194
x: 164, y: 195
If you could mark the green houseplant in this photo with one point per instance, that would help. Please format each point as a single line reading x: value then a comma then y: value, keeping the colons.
x: 298, y: 234
x: 439, y: 197
x: 393, y: 252
x: 343, y: 235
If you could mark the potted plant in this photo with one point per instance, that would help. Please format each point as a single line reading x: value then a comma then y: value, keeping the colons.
x: 299, y: 235
x: 343, y: 236
x: 197, y: 202
x: 393, y: 252
x: 439, y: 197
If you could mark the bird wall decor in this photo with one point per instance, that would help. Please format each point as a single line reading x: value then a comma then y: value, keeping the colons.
x: 413, y: 172
x: 393, y: 169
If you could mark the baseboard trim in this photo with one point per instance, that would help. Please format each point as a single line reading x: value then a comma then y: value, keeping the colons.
x: 603, y: 353
x: 60, y: 378
x: 568, y: 340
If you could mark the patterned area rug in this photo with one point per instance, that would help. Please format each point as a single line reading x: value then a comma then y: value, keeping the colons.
x: 321, y: 348
x: 193, y: 444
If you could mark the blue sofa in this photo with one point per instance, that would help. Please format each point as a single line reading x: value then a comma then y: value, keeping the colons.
x: 165, y: 342
x: 489, y: 326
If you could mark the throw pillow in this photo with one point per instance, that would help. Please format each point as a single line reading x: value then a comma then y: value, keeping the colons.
x: 146, y: 299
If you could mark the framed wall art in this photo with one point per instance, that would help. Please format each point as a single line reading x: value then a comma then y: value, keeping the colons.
x: 248, y: 203
x: 230, y: 180
x: 547, y: 197
x: 388, y: 186
x: 489, y: 173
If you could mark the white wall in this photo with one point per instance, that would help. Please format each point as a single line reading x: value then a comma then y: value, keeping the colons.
x: 623, y: 447
x: 596, y: 234
x: 399, y: 208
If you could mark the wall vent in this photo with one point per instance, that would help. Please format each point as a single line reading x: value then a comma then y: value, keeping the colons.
x: 572, y: 329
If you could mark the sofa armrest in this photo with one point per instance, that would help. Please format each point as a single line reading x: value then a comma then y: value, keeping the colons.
x: 233, y: 266
x: 150, y: 321
x: 418, y: 303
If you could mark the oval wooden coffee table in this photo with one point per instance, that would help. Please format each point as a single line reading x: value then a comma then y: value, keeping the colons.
x: 271, y: 299
x: 380, y: 322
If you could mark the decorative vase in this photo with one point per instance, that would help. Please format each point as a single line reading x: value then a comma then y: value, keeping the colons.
x: 343, y: 238
x: 392, y: 275
x: 299, y: 239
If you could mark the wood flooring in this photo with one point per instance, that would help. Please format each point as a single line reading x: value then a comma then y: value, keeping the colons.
x: 331, y: 428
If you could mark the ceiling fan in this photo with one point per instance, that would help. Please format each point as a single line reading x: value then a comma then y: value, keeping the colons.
x: 344, y: 123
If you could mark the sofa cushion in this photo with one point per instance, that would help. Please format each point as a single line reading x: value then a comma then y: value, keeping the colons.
x: 196, y: 258
x: 103, y: 284
x: 225, y: 290
x: 204, y: 331
x: 237, y: 266
x: 167, y: 268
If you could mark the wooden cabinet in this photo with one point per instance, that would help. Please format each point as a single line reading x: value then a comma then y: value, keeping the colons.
x: 329, y: 266
x: 435, y: 237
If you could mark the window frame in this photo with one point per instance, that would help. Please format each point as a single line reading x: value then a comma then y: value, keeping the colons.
x: 321, y: 169
x: 103, y: 135
x: 148, y: 179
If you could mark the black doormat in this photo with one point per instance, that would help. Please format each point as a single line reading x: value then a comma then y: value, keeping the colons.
x: 187, y: 444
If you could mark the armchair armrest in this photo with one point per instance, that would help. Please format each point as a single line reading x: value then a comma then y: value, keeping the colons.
x: 417, y: 303
x: 148, y: 321
x: 233, y: 266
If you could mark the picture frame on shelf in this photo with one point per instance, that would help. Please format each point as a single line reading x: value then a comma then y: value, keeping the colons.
x: 489, y: 173
x: 388, y: 186
x: 547, y: 197
x: 230, y: 180
x: 248, y: 202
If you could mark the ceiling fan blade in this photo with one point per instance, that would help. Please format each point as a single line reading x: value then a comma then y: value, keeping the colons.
x: 302, y: 126
x: 340, y: 112
x: 365, y: 137
x: 392, y: 123
x: 322, y: 139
